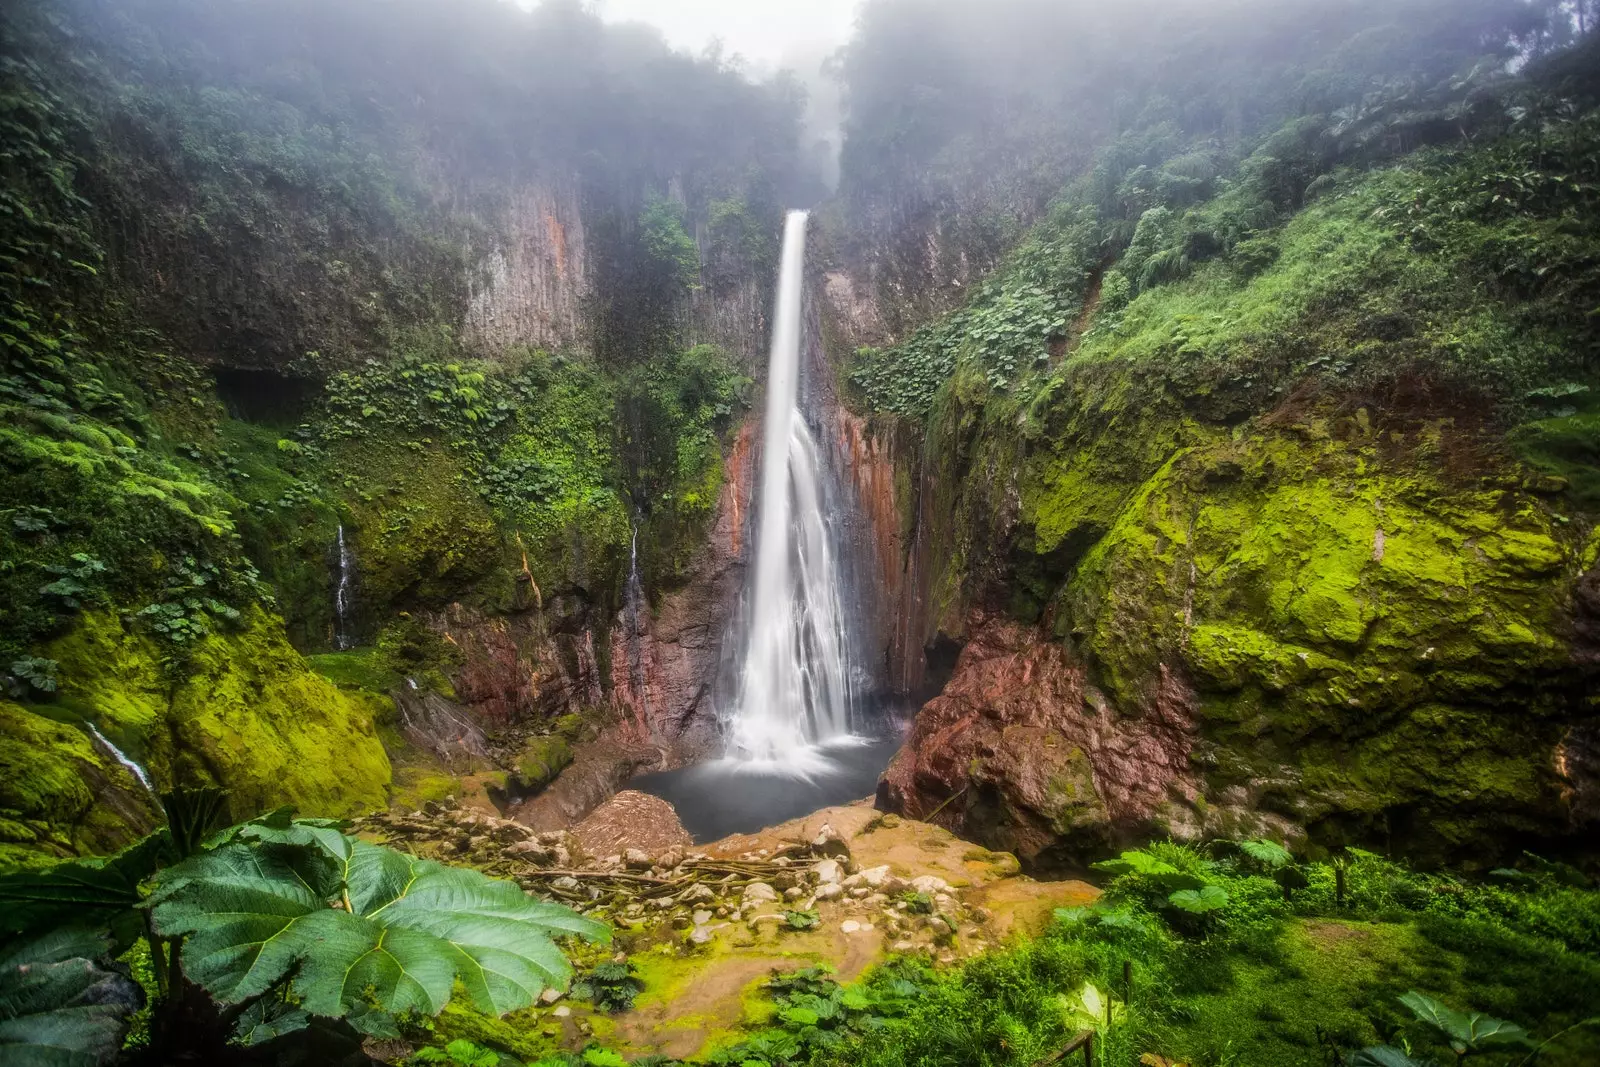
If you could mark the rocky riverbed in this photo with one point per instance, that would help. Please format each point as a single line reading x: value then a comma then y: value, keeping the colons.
x: 845, y: 888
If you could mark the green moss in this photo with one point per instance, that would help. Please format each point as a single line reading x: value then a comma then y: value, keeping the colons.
x: 246, y: 714
x: 517, y: 1034
x: 362, y: 668
x: 419, y: 530
x: 1349, y: 612
x: 60, y: 795
x: 541, y: 760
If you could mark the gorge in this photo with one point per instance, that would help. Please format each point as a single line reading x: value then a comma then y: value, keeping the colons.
x: 1123, y: 559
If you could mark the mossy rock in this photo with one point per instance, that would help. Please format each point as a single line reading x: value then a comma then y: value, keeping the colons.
x: 60, y: 795
x: 1386, y: 639
x: 541, y: 760
x: 245, y: 713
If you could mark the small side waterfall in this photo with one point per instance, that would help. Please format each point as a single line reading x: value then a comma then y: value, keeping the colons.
x: 341, y: 596
x: 633, y: 616
x: 794, y: 681
x: 116, y: 754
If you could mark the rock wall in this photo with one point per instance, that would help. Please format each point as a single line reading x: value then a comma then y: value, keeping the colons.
x: 665, y: 661
x: 531, y: 287
x: 1363, y: 634
x: 246, y: 715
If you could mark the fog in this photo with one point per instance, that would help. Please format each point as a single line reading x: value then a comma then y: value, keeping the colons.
x: 768, y: 34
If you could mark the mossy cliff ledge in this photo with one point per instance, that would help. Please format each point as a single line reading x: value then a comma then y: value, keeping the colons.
x: 245, y: 713
x: 1317, y: 626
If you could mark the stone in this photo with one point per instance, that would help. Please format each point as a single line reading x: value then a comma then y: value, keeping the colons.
x: 637, y: 860
x: 566, y: 881
x: 902, y: 946
x: 827, y: 871
x: 874, y: 876
x: 562, y: 1012
x: 890, y: 821
x: 830, y: 891
x: 531, y: 851
x: 701, y: 935
x: 793, y: 893
x: 697, y: 894
x: 758, y: 893
x: 849, y: 926
x: 550, y: 996
x: 828, y: 842
x: 701, y: 917
x: 929, y: 884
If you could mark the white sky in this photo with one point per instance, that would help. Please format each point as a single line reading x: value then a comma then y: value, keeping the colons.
x: 768, y: 33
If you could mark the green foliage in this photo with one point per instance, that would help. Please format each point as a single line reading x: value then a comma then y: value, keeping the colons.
x: 611, y: 986
x: 460, y: 1052
x: 668, y: 248
x: 1467, y: 1032
x: 256, y: 909
x: 290, y: 919
x: 1202, y: 901
x: 801, y: 920
x: 1269, y: 854
x: 58, y: 1006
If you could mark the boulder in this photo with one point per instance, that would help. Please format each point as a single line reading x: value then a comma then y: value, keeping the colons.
x: 758, y: 893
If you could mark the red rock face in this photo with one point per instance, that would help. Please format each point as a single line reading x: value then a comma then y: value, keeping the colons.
x: 662, y: 673
x: 515, y: 669
x: 1018, y: 754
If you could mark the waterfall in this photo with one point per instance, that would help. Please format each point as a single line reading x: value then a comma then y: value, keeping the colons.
x: 341, y: 597
x: 633, y: 609
x: 794, y: 687
x: 116, y: 753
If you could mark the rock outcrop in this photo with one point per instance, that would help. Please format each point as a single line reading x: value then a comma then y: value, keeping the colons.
x: 1020, y: 754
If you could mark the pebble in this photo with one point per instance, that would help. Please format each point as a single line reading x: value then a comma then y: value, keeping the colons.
x: 849, y: 926
x: 902, y: 946
x: 701, y: 935
x: 930, y: 885
x: 701, y: 917
x: 637, y: 860
x: 550, y: 996
x: 830, y: 891
x: 562, y: 1012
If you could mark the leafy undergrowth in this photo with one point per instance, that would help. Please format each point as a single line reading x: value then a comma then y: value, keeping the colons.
x: 1237, y: 955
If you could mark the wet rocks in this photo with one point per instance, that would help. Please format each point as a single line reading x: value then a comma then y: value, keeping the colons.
x: 1018, y: 755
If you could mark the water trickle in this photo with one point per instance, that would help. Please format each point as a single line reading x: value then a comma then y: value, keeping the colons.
x: 794, y: 685
x: 341, y: 597
x: 116, y: 753
x: 633, y: 609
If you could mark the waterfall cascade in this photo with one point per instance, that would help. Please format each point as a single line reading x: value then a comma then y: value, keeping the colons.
x: 117, y: 754
x: 633, y: 620
x: 794, y: 682
x: 341, y: 596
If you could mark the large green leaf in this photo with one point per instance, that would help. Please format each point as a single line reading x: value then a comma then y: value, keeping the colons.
x: 1206, y: 899
x: 102, y: 892
x: 1266, y: 853
x: 1383, y: 1056
x: 1466, y: 1031
x: 58, y: 1008
x: 1145, y: 865
x: 346, y: 918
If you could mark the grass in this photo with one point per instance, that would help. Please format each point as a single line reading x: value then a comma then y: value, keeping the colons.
x: 1263, y: 981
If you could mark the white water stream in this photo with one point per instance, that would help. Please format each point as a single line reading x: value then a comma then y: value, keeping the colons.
x: 116, y: 754
x: 794, y: 684
x: 341, y: 597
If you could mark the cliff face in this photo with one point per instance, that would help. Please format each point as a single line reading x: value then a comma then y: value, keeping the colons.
x: 1263, y: 543
x: 530, y: 289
